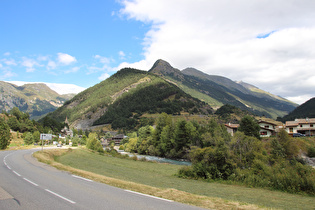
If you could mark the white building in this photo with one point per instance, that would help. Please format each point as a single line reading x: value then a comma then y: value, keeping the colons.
x: 267, y: 129
x: 303, y: 126
x: 231, y: 128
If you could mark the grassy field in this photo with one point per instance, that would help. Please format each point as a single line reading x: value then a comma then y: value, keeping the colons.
x: 155, y: 178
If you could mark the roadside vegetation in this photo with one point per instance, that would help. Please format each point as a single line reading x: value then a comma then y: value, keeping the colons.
x: 243, y: 159
x: 161, y: 180
x: 274, y: 163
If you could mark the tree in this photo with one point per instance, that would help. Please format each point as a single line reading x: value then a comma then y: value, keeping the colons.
x: 5, y: 135
x: 36, y: 136
x: 93, y: 143
x: 288, y: 144
x: 249, y: 126
x: 29, y: 138
x: 13, y: 123
x: 245, y: 149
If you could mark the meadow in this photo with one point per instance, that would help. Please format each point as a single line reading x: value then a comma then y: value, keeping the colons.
x: 161, y: 180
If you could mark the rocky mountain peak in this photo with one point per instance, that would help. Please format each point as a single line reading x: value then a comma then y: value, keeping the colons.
x: 163, y: 68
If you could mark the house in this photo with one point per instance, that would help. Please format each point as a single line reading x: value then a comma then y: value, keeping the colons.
x: 231, y: 128
x: 105, y: 142
x: 303, y: 126
x: 66, y: 131
x: 118, y: 138
x: 267, y: 129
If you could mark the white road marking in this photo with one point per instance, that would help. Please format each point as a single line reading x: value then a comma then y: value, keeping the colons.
x: 79, y: 177
x: 33, y: 183
x: 16, y: 173
x: 151, y: 196
x: 66, y: 199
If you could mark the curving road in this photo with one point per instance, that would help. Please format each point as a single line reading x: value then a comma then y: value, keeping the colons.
x: 26, y: 183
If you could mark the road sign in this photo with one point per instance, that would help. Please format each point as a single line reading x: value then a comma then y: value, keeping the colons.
x: 44, y: 136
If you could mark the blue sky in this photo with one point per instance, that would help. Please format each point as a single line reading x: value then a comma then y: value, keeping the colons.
x: 267, y: 43
x: 66, y: 41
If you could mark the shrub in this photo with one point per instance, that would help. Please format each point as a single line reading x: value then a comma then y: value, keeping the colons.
x: 187, y: 172
x: 311, y: 152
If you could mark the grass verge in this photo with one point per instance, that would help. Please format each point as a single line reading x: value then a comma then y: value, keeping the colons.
x: 159, y: 180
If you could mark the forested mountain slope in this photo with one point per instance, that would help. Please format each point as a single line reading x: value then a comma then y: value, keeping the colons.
x: 306, y: 110
x: 218, y: 90
x: 121, y: 100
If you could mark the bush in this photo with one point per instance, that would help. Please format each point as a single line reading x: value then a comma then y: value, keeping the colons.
x: 311, y: 152
x: 187, y: 172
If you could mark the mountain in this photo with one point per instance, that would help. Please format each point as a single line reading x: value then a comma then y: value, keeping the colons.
x: 124, y: 98
x: 37, y: 99
x: 306, y: 110
x: 218, y: 90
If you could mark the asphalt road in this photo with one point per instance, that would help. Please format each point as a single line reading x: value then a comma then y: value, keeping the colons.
x: 26, y: 183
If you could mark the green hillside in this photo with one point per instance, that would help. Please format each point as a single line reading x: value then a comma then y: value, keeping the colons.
x: 121, y: 100
x: 218, y: 90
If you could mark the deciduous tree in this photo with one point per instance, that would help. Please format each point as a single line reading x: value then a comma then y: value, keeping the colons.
x: 5, y: 135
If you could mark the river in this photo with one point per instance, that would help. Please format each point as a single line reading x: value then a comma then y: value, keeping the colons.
x: 157, y: 159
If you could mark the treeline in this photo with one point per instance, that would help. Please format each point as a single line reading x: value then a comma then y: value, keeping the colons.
x: 157, y: 97
x: 20, y: 121
x: 30, y: 130
x: 305, y: 110
x: 215, y: 155
x: 98, y: 97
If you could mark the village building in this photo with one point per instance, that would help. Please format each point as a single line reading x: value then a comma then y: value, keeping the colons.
x: 302, y: 126
x: 231, y: 128
x: 66, y: 131
x: 267, y: 129
x: 118, y: 138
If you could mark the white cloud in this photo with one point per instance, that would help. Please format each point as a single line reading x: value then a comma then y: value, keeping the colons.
x: 220, y: 37
x: 59, y: 88
x: 42, y: 58
x: 29, y: 63
x: 121, y: 54
x: 66, y: 59
x: 7, y: 74
x: 51, y: 65
x: 103, y: 59
x: 9, y: 62
x: 65, y: 88
x: 7, y: 54
x: 104, y: 76
x: 72, y: 70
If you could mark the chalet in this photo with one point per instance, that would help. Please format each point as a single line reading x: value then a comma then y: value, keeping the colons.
x: 231, y: 128
x: 267, y: 129
x: 303, y: 126
x: 118, y: 138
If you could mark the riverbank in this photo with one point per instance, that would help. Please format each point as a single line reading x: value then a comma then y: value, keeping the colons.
x: 156, y: 159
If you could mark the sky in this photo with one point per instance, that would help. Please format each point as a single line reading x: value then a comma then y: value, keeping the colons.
x: 74, y: 44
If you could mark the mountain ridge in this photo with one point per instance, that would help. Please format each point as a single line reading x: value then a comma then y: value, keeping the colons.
x: 123, y: 98
x: 218, y: 90
x: 37, y: 98
x: 305, y: 110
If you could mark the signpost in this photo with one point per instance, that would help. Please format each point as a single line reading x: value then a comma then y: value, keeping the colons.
x: 44, y: 136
